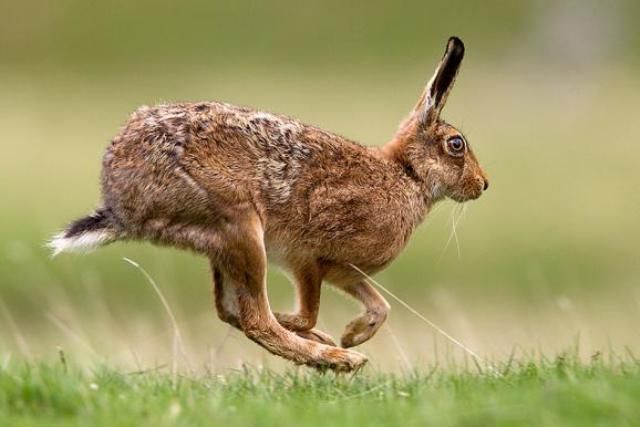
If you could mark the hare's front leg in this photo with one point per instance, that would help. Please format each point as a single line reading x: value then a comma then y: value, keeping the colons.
x: 365, y: 326
x: 308, y: 280
x: 242, y: 265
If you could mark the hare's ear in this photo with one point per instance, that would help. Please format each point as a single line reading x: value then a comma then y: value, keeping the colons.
x: 437, y: 90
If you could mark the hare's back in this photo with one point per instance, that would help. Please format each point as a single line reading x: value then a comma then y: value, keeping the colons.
x: 204, y: 160
x: 177, y: 162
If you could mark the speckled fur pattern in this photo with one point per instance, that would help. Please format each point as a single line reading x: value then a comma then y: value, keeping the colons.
x: 243, y: 187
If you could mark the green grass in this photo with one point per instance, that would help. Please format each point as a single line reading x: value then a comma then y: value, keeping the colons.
x: 546, y: 392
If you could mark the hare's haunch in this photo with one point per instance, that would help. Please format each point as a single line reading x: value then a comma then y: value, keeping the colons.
x: 242, y: 187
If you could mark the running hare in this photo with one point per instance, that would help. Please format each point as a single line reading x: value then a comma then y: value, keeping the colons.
x: 242, y: 187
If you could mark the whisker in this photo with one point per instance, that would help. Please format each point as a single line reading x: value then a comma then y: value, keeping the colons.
x: 446, y: 245
x: 454, y: 225
x: 453, y: 235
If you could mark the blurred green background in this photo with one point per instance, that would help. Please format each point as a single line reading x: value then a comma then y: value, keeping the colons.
x: 548, y: 96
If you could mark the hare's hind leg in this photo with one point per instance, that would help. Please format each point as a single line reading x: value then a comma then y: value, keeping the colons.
x: 364, y: 327
x: 226, y: 303
x: 227, y: 308
x: 308, y: 280
x: 243, y: 264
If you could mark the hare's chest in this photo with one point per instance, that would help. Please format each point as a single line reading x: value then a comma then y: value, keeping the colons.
x: 283, y: 251
x: 276, y: 254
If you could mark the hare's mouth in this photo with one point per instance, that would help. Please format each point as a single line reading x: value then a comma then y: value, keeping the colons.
x: 465, y: 196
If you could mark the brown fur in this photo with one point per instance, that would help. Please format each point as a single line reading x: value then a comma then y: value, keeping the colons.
x: 243, y: 187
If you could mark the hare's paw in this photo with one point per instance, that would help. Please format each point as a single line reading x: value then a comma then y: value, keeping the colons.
x: 362, y: 328
x: 340, y: 360
x: 295, y: 321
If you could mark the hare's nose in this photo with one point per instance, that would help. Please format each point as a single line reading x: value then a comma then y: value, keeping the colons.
x: 486, y: 184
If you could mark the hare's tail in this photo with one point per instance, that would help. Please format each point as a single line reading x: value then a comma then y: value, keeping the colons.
x: 86, y: 234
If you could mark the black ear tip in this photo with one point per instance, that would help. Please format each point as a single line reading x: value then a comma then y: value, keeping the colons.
x: 456, y: 45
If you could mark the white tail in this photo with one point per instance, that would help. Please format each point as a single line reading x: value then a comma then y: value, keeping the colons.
x: 85, y: 234
x: 84, y: 242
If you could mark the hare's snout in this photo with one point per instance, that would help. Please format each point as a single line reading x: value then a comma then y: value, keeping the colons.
x: 481, y: 182
x: 471, y: 189
x: 481, y: 185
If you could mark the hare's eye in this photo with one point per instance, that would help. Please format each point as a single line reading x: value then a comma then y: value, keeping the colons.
x: 455, y: 144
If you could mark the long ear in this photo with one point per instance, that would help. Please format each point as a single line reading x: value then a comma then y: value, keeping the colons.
x: 437, y: 90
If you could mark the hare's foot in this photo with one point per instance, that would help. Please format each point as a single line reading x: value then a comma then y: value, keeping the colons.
x: 296, y: 321
x: 340, y: 360
x: 362, y: 328
x: 365, y: 326
x: 303, y: 327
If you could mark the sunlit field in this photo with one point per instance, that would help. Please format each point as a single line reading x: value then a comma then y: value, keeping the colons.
x: 546, y: 258
x: 538, y: 277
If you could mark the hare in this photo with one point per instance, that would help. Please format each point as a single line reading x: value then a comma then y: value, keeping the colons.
x: 244, y: 187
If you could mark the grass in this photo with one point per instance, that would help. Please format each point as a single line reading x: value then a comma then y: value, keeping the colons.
x: 562, y: 391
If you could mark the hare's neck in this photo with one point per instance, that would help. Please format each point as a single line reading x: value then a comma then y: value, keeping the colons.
x: 396, y: 148
x: 424, y: 200
x: 407, y: 154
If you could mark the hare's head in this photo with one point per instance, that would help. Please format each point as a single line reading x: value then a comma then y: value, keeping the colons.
x: 436, y: 152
